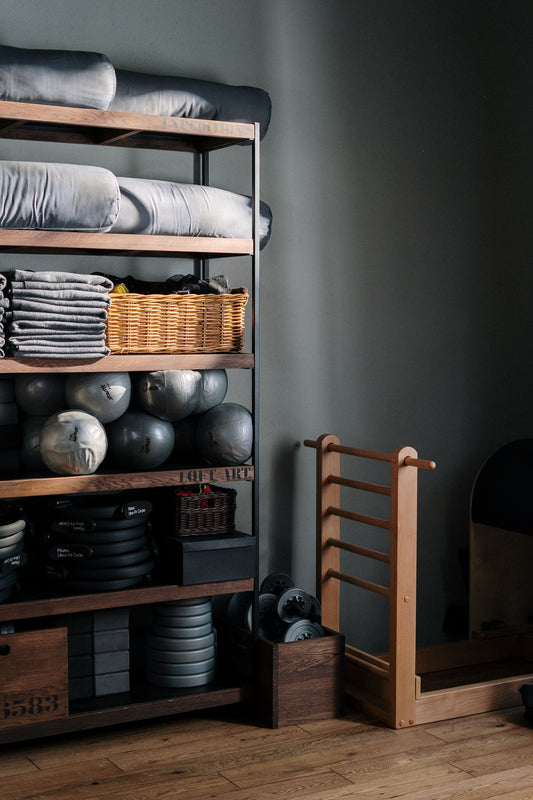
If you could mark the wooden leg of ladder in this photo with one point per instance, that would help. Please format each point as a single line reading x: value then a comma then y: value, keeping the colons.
x: 328, y: 525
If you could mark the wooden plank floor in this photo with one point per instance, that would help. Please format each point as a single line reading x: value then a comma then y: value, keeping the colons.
x: 221, y: 756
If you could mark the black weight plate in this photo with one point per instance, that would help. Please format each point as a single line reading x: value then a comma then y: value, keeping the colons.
x: 293, y: 604
x: 8, y: 580
x: 9, y: 528
x: 5, y: 594
x: 102, y: 586
x: 194, y: 668
x: 182, y: 633
x: 181, y: 656
x: 111, y: 573
x: 13, y: 550
x: 315, y: 613
x: 267, y: 610
x: 89, y: 525
x: 303, y: 629
x: 276, y: 583
x: 238, y: 607
x: 15, y: 562
x: 177, y: 611
x: 118, y: 561
x: 180, y: 681
x: 9, y: 541
x: 100, y: 537
x: 67, y: 508
x: 60, y: 552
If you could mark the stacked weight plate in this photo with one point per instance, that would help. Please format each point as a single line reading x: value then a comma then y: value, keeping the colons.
x: 181, y: 646
x: 12, y: 529
x: 100, y: 546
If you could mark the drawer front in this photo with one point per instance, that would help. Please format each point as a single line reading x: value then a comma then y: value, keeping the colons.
x: 33, y: 677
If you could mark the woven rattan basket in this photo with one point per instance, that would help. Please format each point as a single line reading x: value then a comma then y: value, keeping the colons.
x: 202, y: 513
x: 175, y: 323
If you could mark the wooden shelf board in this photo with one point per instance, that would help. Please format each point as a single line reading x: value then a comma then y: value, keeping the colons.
x: 50, y: 605
x: 42, y: 485
x: 120, y: 244
x: 129, y: 363
x: 34, y: 121
x: 132, y: 710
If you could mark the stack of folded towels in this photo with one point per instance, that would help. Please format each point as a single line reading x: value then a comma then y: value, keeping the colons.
x: 56, y: 314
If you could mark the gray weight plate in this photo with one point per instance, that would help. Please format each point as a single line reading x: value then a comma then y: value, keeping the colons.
x: 8, y: 580
x: 100, y: 537
x: 174, y: 644
x: 194, y: 668
x: 238, y: 607
x: 175, y: 611
x: 303, y: 629
x: 9, y: 528
x: 9, y: 541
x: 111, y: 574
x: 181, y: 656
x: 276, y: 583
x: 268, y: 618
x: 182, y: 633
x: 183, y: 622
x: 180, y: 681
x: 293, y: 604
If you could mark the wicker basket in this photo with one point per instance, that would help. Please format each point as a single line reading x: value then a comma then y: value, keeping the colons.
x: 205, y: 512
x: 175, y: 323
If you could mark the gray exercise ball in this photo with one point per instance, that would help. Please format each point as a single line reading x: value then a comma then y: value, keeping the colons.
x: 40, y: 394
x: 224, y: 435
x: 30, y: 451
x: 106, y: 395
x: 140, y: 441
x: 73, y: 442
x: 213, y: 388
x: 170, y: 394
x: 185, y: 451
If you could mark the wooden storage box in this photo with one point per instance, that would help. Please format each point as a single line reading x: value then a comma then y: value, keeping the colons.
x: 33, y: 677
x: 174, y: 323
x: 301, y: 681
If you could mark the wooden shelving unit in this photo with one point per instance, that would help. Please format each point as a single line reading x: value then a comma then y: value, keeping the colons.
x: 25, y: 121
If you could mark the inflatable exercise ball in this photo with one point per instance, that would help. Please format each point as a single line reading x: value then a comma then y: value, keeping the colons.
x: 139, y: 441
x: 40, y: 394
x: 30, y: 452
x: 170, y: 394
x: 106, y: 395
x: 213, y: 388
x: 73, y: 442
x: 185, y: 451
x: 224, y: 435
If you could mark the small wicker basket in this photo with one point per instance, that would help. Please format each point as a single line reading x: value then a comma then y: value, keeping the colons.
x: 202, y: 513
x: 175, y: 323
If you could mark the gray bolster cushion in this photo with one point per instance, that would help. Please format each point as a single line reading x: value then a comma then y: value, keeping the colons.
x: 56, y: 77
x: 169, y: 96
x: 61, y: 197
x: 182, y: 209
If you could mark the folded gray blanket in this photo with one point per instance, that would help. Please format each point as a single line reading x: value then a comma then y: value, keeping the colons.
x: 55, y: 277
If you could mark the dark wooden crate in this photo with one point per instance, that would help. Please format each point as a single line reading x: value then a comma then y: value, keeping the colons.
x: 301, y: 681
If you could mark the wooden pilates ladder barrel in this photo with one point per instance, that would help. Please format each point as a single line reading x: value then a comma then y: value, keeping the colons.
x: 402, y: 525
